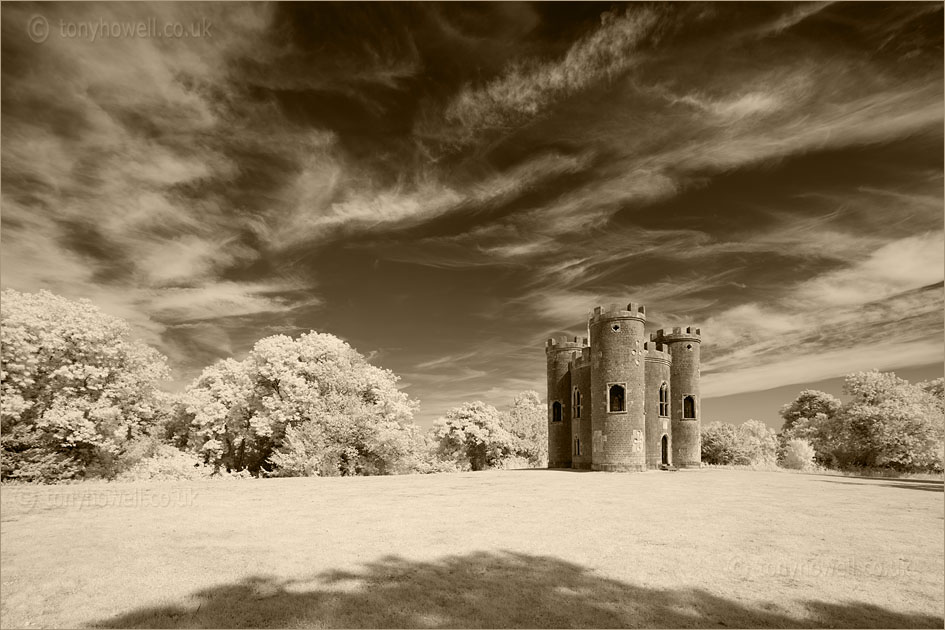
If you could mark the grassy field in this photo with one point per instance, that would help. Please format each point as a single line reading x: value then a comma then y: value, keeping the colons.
x: 704, y: 548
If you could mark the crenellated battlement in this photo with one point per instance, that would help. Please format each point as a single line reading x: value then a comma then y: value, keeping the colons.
x: 656, y: 351
x: 564, y: 342
x: 583, y: 361
x: 615, y: 311
x: 678, y: 334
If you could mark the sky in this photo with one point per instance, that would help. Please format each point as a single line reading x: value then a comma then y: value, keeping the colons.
x: 445, y: 186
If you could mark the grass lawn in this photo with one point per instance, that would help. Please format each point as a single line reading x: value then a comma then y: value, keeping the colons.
x: 702, y: 548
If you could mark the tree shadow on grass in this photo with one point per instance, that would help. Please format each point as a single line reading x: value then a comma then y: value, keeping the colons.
x: 896, y: 479
x: 493, y: 590
x: 913, y: 484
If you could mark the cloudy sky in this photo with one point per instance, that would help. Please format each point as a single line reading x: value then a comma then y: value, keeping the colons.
x: 445, y: 186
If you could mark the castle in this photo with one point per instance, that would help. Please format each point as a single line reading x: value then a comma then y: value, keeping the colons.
x: 623, y: 403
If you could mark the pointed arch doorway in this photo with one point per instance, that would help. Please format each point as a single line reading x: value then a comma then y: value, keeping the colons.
x: 664, y: 446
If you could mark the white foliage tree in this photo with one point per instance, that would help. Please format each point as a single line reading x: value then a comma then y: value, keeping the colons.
x: 305, y: 406
x: 75, y: 388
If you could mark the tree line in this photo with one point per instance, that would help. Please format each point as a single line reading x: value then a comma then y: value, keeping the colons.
x: 81, y: 399
x: 888, y: 423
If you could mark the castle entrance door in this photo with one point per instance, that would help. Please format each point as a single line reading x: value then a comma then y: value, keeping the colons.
x: 665, y: 444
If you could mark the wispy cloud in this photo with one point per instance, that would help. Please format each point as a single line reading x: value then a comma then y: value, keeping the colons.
x: 527, y: 88
x: 820, y: 365
x: 222, y: 299
x: 795, y: 16
x: 904, y: 264
x: 470, y: 182
x: 819, y: 328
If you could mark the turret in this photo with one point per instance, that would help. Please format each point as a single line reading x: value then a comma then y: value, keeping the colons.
x: 617, y: 388
x: 685, y: 401
x: 559, y: 352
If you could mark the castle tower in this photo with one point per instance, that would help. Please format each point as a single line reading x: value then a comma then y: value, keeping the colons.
x: 559, y: 353
x: 659, y: 435
x: 617, y: 388
x: 686, y: 400
x: 581, y: 410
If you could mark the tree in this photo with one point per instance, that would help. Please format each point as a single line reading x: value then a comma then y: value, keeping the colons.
x: 76, y: 391
x: 808, y: 404
x: 888, y: 422
x: 473, y: 435
x: 719, y: 443
x: 527, y: 421
x: 824, y: 433
x: 750, y: 443
x: 311, y: 405
x: 757, y: 444
x: 813, y: 416
x: 935, y: 387
x: 891, y: 422
x: 222, y: 404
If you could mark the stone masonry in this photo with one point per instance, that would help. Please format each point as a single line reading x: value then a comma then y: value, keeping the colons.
x: 620, y: 402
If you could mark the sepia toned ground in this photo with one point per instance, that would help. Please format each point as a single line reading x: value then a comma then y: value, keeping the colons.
x: 703, y: 548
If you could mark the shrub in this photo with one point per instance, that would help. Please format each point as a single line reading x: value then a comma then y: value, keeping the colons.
x: 432, y: 465
x: 167, y: 464
x: 798, y: 454
x: 514, y: 462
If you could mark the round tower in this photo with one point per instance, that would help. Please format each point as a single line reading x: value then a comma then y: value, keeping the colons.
x: 686, y: 400
x: 581, y: 410
x: 617, y: 388
x: 559, y: 352
x: 659, y: 437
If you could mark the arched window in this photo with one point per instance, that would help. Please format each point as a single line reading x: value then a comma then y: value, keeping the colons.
x: 615, y: 399
x: 556, y: 412
x: 664, y: 400
x: 577, y: 403
x: 689, y: 407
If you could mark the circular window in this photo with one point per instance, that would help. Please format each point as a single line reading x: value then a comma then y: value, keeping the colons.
x: 688, y: 346
x: 615, y: 328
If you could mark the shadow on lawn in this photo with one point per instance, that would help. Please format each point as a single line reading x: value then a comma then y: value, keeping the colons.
x: 497, y: 590
x: 909, y: 484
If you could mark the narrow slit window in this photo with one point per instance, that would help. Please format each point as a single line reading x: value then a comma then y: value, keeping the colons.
x: 616, y: 398
x: 664, y: 400
x: 689, y: 407
x: 577, y: 403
